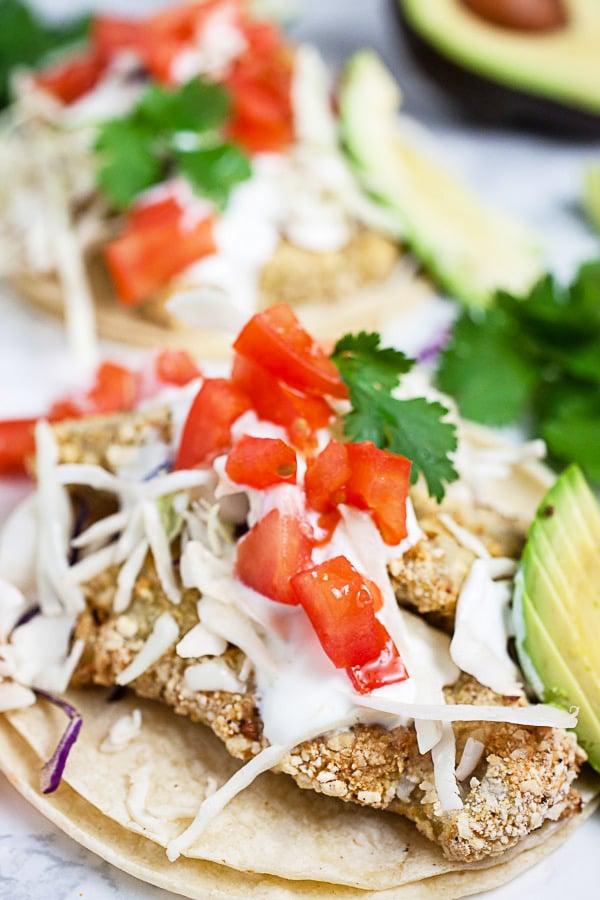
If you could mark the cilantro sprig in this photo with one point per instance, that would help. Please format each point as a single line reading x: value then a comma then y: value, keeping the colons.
x: 534, y: 359
x: 26, y: 39
x: 414, y: 428
x: 171, y: 132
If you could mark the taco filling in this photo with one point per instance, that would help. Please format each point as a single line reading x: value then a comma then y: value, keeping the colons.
x: 230, y: 553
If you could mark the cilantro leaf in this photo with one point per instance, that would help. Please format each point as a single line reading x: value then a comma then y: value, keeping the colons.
x: 143, y: 147
x: 197, y: 106
x: 26, y: 39
x: 360, y: 354
x: 413, y: 428
x: 128, y: 164
x: 484, y: 369
x: 535, y: 357
x: 213, y: 171
x: 571, y: 430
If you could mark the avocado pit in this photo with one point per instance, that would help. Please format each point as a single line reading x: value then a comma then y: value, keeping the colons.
x: 537, y: 16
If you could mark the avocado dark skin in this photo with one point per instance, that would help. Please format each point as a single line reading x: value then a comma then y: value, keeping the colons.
x: 485, y: 101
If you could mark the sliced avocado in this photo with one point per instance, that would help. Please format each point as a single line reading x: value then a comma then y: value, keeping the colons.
x: 529, y: 77
x: 591, y: 194
x: 469, y: 250
x: 556, y: 606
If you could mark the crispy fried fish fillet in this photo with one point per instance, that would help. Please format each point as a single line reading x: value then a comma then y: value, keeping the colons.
x: 108, y: 441
x: 524, y: 776
x: 429, y: 577
x: 298, y: 276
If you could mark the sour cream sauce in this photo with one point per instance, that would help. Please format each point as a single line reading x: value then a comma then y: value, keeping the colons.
x: 300, y: 692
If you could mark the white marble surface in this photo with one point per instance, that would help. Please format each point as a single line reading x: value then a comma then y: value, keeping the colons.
x: 536, y: 178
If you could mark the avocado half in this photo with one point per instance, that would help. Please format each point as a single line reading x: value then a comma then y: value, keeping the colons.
x: 547, y: 80
x: 556, y: 605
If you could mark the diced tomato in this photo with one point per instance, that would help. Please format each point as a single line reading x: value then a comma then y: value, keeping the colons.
x: 115, y: 388
x: 170, y: 32
x: 254, y: 138
x: 261, y: 462
x: 274, y: 550
x: 207, y: 429
x: 260, y: 84
x: 364, y: 476
x: 387, y: 668
x: 174, y: 366
x: 263, y: 38
x: 151, y: 215
x: 379, y: 482
x: 300, y: 414
x: 341, y: 605
x: 155, y: 245
x: 71, y: 79
x: 275, y: 340
x: 17, y: 442
x: 65, y: 408
x: 112, y: 35
x: 326, y: 477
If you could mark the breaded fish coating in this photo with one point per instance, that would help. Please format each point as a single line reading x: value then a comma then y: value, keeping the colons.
x: 295, y: 275
x: 108, y: 441
x: 428, y: 577
x: 524, y: 776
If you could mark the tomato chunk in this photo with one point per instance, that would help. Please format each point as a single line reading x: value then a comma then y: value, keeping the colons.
x: 112, y: 35
x: 341, y: 605
x: 174, y: 366
x: 379, y: 482
x: 387, y: 668
x: 274, y: 550
x: 261, y: 462
x: 207, y: 429
x: 300, y: 414
x: 275, y: 340
x: 155, y: 246
x: 169, y: 32
x: 151, y: 215
x: 327, y: 476
x: 17, y: 442
x: 260, y: 83
x: 71, y: 79
x: 115, y: 388
x: 364, y: 476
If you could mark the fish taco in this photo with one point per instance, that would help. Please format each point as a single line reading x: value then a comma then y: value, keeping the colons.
x: 284, y: 664
x: 180, y: 171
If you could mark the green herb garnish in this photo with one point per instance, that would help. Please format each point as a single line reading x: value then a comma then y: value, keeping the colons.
x: 414, y: 428
x: 171, y: 516
x: 537, y: 358
x: 26, y: 39
x: 171, y: 132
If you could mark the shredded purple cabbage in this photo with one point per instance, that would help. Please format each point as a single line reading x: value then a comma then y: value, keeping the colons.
x: 26, y: 617
x: 162, y: 469
x: 52, y: 770
x: 437, y: 344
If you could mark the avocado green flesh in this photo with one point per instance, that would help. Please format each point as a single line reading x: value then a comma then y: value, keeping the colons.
x: 546, y: 564
x: 591, y: 195
x: 557, y: 604
x: 563, y: 65
x: 561, y: 686
x: 469, y: 250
